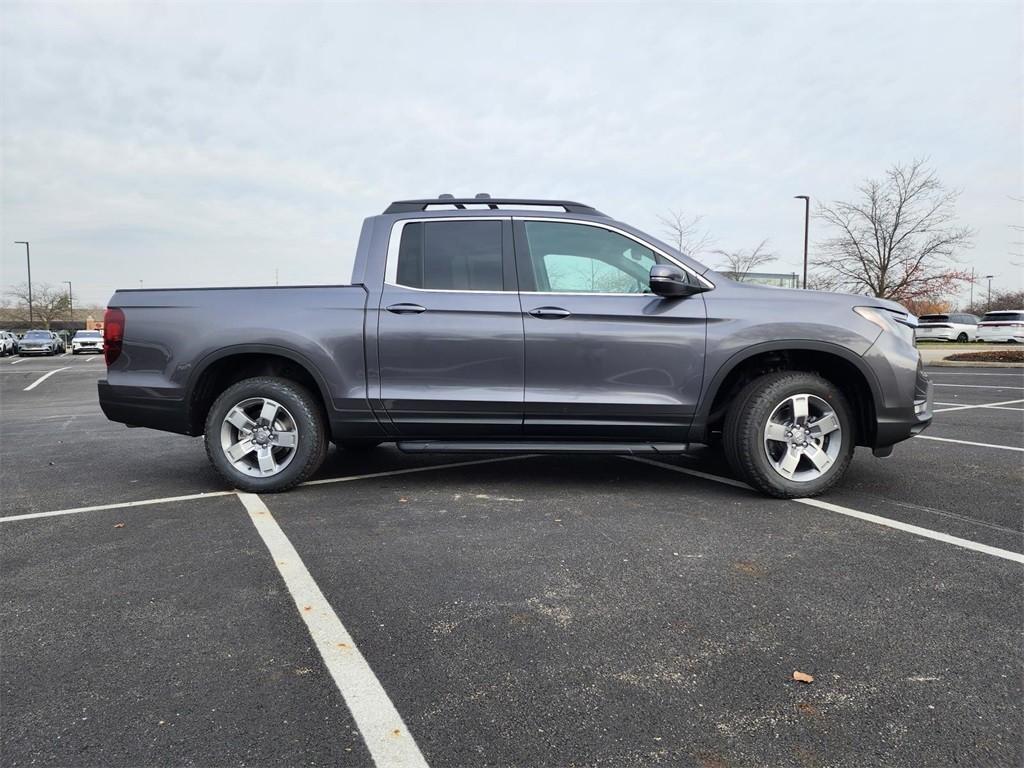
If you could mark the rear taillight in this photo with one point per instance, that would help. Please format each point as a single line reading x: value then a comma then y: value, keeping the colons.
x: 113, y: 334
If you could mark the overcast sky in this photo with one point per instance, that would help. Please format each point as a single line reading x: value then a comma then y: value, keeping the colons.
x: 202, y: 144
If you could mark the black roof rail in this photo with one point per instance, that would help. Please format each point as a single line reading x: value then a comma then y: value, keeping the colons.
x: 413, y: 206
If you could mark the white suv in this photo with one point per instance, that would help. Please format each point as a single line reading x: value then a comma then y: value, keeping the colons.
x: 1004, y: 325
x: 87, y: 341
x: 954, y: 327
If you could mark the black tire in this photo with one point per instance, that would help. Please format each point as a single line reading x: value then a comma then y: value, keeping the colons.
x: 743, y: 433
x: 962, y: 339
x: 310, y: 423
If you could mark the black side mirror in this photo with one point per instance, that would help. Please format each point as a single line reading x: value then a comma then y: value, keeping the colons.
x: 670, y: 281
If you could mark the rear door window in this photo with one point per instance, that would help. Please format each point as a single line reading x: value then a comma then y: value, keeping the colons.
x: 451, y: 256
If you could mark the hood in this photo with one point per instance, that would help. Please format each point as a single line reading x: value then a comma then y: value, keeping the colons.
x: 796, y: 294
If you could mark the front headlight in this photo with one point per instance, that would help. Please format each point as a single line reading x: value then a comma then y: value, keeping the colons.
x: 901, y: 324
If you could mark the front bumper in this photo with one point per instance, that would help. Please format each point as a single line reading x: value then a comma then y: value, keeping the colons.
x: 35, y: 351
x: 897, y: 424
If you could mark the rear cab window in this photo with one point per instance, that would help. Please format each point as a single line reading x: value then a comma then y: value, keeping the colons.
x: 451, y: 256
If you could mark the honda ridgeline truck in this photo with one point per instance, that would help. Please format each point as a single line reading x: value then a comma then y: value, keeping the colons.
x: 534, y: 326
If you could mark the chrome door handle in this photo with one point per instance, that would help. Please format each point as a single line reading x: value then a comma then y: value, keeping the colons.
x: 406, y: 309
x: 549, y: 313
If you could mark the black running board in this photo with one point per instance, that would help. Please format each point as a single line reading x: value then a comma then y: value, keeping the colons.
x: 537, y: 446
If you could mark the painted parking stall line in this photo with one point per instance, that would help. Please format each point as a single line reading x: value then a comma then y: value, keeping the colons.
x: 42, y: 378
x: 116, y: 505
x: 969, y: 442
x: 943, y: 373
x: 917, y: 530
x: 381, y: 726
x: 19, y: 360
x: 211, y: 494
x: 958, y: 407
x: 977, y: 386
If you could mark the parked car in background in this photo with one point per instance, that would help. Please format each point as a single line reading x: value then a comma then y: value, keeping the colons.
x: 1003, y: 325
x: 950, y: 327
x: 87, y: 341
x: 534, y: 326
x: 8, y: 343
x: 39, y: 343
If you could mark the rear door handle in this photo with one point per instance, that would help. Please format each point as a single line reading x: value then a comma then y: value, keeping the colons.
x: 406, y: 309
x: 549, y: 313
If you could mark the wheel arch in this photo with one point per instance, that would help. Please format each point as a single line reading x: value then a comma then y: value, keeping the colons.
x: 841, y: 366
x: 224, y: 367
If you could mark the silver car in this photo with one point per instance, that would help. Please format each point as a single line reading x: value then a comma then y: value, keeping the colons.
x: 39, y: 343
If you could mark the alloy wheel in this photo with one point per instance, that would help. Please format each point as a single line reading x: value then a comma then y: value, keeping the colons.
x: 802, y: 438
x: 259, y: 437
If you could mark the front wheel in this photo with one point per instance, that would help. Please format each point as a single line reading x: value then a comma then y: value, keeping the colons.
x: 962, y: 338
x: 266, y: 434
x: 789, y: 434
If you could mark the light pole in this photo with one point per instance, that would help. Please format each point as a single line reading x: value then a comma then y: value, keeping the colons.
x: 71, y: 302
x: 989, y: 301
x: 28, y: 261
x: 807, y: 225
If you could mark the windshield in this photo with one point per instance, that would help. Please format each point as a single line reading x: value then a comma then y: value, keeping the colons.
x: 1003, y: 316
x: 934, y: 318
x: 88, y: 335
x: 37, y: 335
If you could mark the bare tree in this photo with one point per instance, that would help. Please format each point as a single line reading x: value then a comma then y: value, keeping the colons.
x: 899, y: 240
x: 48, y: 303
x: 737, y: 264
x: 1001, y: 300
x: 686, y: 233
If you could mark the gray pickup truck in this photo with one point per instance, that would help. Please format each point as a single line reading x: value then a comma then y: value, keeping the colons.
x: 498, y: 325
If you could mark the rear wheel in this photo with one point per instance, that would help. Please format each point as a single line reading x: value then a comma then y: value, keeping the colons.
x: 266, y: 434
x: 789, y: 434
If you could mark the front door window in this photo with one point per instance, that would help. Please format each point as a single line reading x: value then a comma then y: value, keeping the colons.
x: 576, y: 258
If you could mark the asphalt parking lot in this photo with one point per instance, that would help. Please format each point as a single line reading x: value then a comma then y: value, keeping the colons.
x: 515, y: 611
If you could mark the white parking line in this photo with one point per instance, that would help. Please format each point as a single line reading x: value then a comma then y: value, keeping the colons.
x: 917, y: 530
x: 19, y: 360
x: 119, y: 505
x: 389, y: 473
x: 943, y: 373
x: 380, y: 725
x: 959, y: 407
x: 975, y: 386
x: 41, y: 379
x: 211, y: 494
x: 969, y: 442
